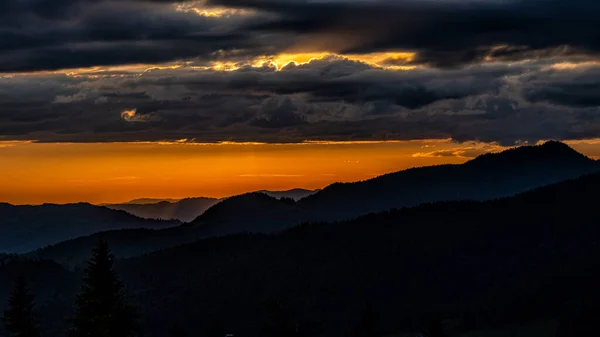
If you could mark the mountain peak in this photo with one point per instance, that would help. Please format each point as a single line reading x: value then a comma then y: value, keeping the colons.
x: 558, y: 150
x: 549, y: 152
x: 296, y: 193
x: 556, y: 146
x: 243, y: 202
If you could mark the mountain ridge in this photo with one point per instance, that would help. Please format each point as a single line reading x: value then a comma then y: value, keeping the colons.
x: 184, y: 210
x: 456, y: 262
x: 253, y: 213
x: 188, y: 209
x: 490, y: 258
x: 27, y: 227
x: 514, y: 171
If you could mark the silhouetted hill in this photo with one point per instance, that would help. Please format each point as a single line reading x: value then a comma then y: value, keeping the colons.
x: 296, y: 193
x: 527, y: 257
x: 523, y: 258
x: 189, y: 209
x: 216, y: 221
x: 239, y: 214
x: 24, y: 228
x: 184, y: 210
x: 146, y: 201
x: 487, y: 177
x: 558, y: 155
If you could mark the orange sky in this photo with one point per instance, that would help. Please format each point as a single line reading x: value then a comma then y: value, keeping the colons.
x: 32, y: 173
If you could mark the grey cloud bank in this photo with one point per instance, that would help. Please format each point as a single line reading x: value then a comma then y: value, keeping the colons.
x: 499, y: 71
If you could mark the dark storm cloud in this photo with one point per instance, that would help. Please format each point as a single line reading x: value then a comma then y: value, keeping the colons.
x: 494, y: 70
x: 54, y: 34
x: 334, y: 79
x: 443, y: 32
x: 570, y: 87
x: 59, y: 9
x: 49, y: 34
x: 329, y: 99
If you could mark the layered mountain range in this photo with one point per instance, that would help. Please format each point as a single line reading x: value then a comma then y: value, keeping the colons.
x: 487, y: 177
x: 493, y: 255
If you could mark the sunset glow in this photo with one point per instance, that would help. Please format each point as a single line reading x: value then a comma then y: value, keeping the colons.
x: 131, y: 99
x: 299, y: 168
x: 114, y: 172
x: 386, y: 60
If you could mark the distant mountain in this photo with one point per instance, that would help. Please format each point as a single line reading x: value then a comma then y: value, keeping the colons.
x: 146, y: 201
x: 531, y: 257
x: 127, y: 243
x: 489, y: 176
x: 484, y: 178
x: 494, y: 257
x: 231, y: 215
x: 189, y: 209
x: 25, y: 228
x: 184, y: 210
x: 296, y: 193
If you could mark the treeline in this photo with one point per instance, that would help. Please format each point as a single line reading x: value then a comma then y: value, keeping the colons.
x: 504, y: 262
x: 101, y: 308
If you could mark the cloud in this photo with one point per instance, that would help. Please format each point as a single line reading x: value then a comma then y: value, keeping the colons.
x: 324, y: 99
x: 66, y: 34
x: 444, y: 33
x: 465, y: 150
x: 565, y: 85
x: 61, y: 34
x: 134, y: 117
x: 6, y: 144
x: 294, y: 70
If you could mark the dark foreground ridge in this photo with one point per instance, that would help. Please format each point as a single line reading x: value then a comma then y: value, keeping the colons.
x: 533, y: 257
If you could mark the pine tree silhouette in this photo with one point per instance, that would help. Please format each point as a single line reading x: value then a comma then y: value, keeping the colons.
x: 101, y: 307
x: 19, y: 318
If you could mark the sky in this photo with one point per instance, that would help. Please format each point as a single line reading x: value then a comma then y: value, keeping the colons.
x: 34, y: 173
x: 109, y: 83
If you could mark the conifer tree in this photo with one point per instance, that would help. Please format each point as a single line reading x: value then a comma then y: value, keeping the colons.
x: 19, y: 318
x: 101, y: 307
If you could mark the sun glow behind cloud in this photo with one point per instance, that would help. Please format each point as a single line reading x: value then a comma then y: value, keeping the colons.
x: 373, y: 59
x: 278, y: 62
x: 201, y: 9
x: 573, y: 65
x: 33, y: 172
x: 400, y: 60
